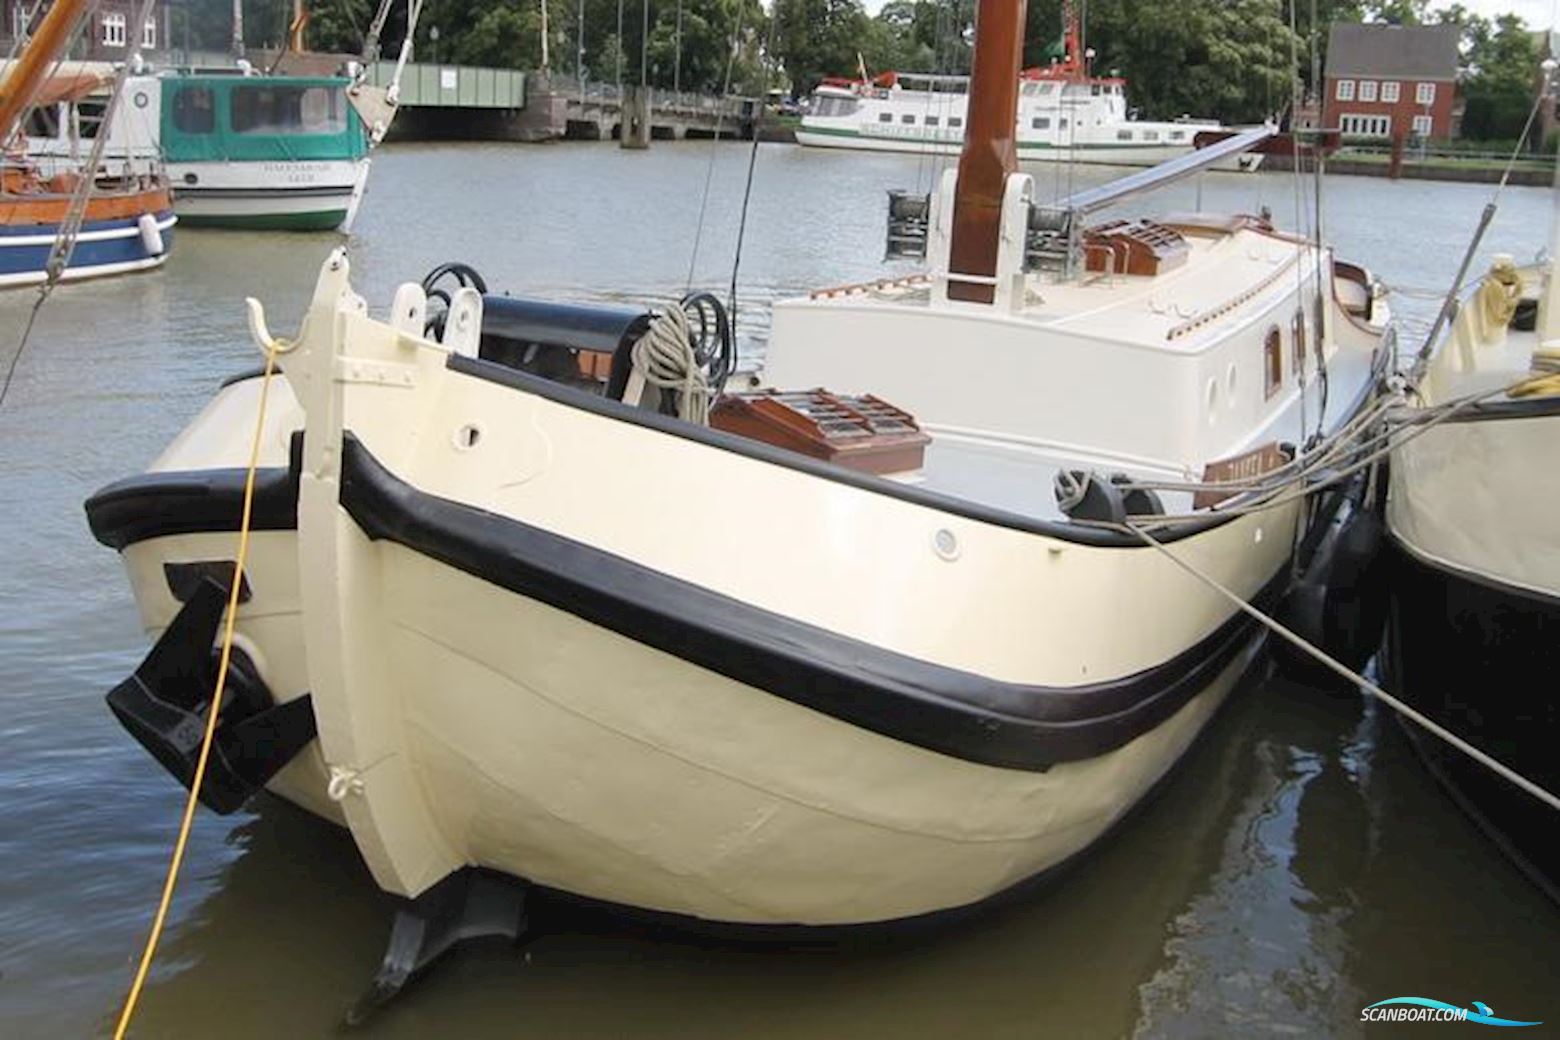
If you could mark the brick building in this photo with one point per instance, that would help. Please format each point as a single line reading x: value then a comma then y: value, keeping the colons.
x: 106, y: 33
x: 1385, y: 80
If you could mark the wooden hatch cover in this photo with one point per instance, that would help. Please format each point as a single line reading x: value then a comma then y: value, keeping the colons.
x: 863, y: 433
x: 1133, y: 247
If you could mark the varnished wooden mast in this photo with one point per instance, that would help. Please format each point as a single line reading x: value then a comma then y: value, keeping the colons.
x: 32, y: 65
x: 990, y: 151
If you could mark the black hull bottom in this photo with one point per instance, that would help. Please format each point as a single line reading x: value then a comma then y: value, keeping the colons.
x: 1482, y: 659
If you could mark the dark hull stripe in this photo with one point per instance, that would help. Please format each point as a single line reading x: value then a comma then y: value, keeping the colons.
x: 1480, y: 658
x: 154, y: 505
x: 943, y: 709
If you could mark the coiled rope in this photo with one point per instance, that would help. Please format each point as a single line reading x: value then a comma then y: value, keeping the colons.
x: 664, y: 357
x: 177, y: 859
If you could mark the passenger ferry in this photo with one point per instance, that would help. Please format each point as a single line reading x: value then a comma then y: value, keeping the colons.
x: 1064, y: 113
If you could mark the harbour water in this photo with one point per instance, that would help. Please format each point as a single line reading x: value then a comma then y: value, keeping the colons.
x: 1299, y: 866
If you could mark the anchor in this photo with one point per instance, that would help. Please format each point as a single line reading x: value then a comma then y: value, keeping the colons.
x: 163, y: 705
x: 470, y: 904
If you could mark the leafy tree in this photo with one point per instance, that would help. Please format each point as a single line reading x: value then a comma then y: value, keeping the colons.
x: 1500, y: 77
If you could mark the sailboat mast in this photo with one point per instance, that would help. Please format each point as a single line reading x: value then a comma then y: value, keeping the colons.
x: 990, y: 151
x: 21, y: 83
x: 237, y: 43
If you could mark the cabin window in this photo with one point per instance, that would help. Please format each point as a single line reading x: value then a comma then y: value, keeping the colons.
x: 113, y: 29
x: 1123, y: 135
x: 1150, y: 135
x: 42, y: 122
x: 1041, y: 122
x: 1046, y: 88
x: 20, y: 20
x: 1178, y: 135
x: 1345, y: 90
x: 89, y: 118
x: 1299, y: 331
x: 955, y: 121
x: 194, y: 110
x: 907, y: 119
x: 885, y: 117
x: 289, y: 110
x: 1424, y: 94
x: 149, y: 34
x: 1389, y: 91
x: 1094, y: 89
x: 833, y: 106
x: 1367, y: 90
x: 931, y: 120
x: 1062, y: 123
x: 1273, y: 361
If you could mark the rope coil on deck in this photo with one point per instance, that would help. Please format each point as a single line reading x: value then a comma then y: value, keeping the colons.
x: 665, y: 358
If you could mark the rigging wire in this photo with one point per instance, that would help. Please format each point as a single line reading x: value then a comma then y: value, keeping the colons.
x: 1424, y: 722
x: 747, y: 189
x: 64, y: 246
x: 720, y: 115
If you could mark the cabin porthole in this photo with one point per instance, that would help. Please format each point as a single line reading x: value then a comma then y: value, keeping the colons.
x: 1257, y: 536
x: 1229, y: 386
x: 467, y: 437
x: 1213, y: 401
x: 946, y: 544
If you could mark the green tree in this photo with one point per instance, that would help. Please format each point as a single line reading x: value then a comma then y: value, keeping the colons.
x: 1500, y: 77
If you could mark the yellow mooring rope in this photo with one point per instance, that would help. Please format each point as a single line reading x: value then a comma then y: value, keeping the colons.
x: 212, y: 712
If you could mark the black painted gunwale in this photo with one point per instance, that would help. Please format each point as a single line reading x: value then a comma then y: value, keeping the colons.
x: 958, y: 713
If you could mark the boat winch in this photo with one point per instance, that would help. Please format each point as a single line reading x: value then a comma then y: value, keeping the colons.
x: 163, y: 704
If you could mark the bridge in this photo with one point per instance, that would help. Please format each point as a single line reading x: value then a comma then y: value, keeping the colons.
x: 448, y: 101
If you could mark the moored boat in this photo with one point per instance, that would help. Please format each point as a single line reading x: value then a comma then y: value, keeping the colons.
x: 1065, y: 114
x: 242, y: 149
x: 1473, y: 633
x: 533, y: 587
x: 76, y: 220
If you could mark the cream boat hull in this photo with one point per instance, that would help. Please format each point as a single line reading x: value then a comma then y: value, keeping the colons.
x: 470, y: 724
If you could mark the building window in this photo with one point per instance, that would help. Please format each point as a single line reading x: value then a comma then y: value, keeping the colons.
x: 1345, y: 90
x: 1041, y: 122
x: 149, y: 34
x: 1062, y: 124
x: 907, y: 119
x: 1273, y: 360
x: 955, y: 121
x: 1367, y: 90
x: 20, y: 23
x: 885, y: 117
x: 114, y: 30
x: 931, y: 120
x: 1389, y: 91
x: 1424, y: 94
x: 1422, y: 126
x: 1354, y: 125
